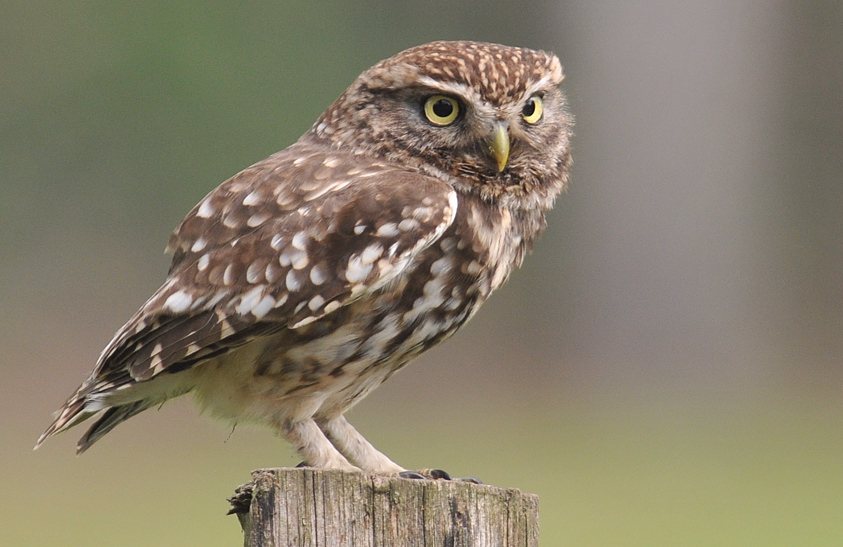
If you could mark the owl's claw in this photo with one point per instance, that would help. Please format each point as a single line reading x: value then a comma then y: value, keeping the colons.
x: 436, y: 474
x: 412, y: 475
x: 427, y: 474
x: 439, y: 474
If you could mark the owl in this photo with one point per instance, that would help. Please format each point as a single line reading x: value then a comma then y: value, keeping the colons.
x: 303, y: 282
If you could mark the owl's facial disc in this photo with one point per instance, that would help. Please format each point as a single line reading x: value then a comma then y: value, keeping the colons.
x: 498, y: 143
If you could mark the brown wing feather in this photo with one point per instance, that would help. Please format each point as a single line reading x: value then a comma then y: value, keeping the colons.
x: 279, y: 245
x: 293, y: 270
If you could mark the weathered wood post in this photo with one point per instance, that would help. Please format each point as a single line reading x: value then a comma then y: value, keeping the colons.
x: 292, y: 507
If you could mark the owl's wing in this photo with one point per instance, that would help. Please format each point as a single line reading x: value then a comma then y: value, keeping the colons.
x: 279, y: 245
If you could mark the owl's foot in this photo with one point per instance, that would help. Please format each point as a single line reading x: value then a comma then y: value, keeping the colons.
x: 435, y: 474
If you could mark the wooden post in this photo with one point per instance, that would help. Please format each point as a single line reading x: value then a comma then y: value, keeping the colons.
x: 292, y: 507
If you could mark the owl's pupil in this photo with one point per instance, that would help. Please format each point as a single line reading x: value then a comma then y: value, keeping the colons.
x: 529, y: 108
x: 443, y: 108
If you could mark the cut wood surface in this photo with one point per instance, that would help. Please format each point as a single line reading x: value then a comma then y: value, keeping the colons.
x: 326, y: 508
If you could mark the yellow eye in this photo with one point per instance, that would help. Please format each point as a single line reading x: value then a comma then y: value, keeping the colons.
x: 532, y: 110
x: 441, y: 110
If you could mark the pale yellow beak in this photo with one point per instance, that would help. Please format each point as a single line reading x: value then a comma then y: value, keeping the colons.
x: 499, y: 146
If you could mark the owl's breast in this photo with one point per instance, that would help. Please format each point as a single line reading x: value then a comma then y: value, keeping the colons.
x: 447, y: 282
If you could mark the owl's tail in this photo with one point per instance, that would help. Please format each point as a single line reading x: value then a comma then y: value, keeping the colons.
x: 79, y: 407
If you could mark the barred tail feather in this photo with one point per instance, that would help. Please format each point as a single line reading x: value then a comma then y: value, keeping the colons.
x: 73, y: 412
x: 79, y: 408
x: 109, y: 419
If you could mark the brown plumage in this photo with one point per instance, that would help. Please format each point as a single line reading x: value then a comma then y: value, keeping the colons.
x: 304, y: 281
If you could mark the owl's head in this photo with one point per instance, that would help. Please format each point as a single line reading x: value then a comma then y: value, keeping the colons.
x: 488, y: 118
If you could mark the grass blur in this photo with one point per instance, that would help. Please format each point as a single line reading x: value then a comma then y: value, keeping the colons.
x: 616, y: 473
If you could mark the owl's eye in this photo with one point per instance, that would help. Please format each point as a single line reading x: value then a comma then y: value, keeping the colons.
x: 441, y: 110
x: 532, y: 111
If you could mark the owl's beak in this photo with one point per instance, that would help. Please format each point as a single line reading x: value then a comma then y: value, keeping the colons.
x: 499, y: 146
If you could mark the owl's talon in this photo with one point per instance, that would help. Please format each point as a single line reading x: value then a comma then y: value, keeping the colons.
x: 426, y: 474
x: 412, y: 475
x: 439, y: 474
x: 472, y: 480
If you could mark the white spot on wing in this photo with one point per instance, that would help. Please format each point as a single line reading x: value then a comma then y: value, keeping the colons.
x: 204, y: 260
x: 408, y: 224
x: 277, y: 242
x: 257, y: 219
x: 300, y: 241
x: 198, y: 245
x: 303, y: 322
x: 249, y: 300
x: 357, y: 271
x: 272, y: 272
x: 262, y: 308
x: 255, y: 272
x: 253, y: 198
x: 205, y: 209
x: 300, y: 261
x: 371, y: 253
x: 292, y: 281
x: 178, y: 302
x: 228, y: 275
x: 388, y: 229
x: 325, y: 188
x: 317, y: 275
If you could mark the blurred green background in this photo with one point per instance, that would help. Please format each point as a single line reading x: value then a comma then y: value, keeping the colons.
x: 665, y: 370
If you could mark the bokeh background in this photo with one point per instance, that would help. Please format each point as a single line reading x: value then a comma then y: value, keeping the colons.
x: 665, y: 369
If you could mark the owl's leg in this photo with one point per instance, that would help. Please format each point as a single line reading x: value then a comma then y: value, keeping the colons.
x: 313, y: 446
x: 355, y: 447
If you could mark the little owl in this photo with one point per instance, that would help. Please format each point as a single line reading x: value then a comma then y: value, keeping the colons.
x: 301, y: 283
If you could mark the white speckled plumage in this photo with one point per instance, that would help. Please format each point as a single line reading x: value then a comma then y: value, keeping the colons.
x: 303, y: 282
